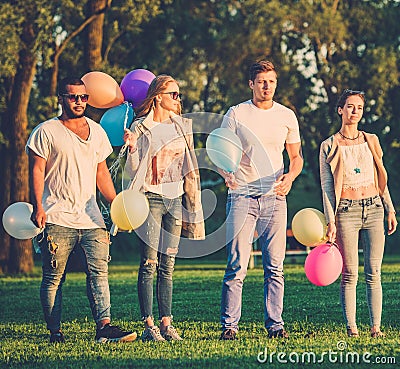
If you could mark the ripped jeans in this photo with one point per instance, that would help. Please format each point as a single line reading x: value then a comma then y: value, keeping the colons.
x: 56, y: 246
x: 159, y: 240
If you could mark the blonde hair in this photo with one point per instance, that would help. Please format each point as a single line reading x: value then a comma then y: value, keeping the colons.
x: 157, y: 86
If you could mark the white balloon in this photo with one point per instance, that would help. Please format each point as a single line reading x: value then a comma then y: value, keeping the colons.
x: 17, y: 221
x: 224, y: 149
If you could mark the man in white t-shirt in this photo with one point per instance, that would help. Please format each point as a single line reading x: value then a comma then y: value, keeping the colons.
x: 257, y: 198
x: 67, y: 157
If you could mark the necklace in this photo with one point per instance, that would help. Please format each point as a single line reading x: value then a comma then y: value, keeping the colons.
x: 349, y: 138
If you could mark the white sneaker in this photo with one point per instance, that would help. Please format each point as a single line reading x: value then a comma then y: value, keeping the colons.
x: 152, y: 334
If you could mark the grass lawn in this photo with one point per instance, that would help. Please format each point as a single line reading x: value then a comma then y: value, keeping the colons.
x: 312, y: 314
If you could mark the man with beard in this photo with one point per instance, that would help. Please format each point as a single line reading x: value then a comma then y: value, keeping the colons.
x: 67, y: 156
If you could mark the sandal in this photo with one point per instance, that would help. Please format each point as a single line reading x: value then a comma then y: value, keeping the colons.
x: 377, y: 334
x: 352, y: 333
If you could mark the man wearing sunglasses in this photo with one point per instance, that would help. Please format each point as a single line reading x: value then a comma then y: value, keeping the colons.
x: 67, y: 157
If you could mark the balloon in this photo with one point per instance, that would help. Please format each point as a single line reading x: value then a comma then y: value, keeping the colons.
x: 103, y: 90
x: 115, y: 120
x: 224, y: 149
x: 129, y: 209
x: 309, y: 227
x: 17, y: 221
x: 323, y: 265
x: 135, y: 84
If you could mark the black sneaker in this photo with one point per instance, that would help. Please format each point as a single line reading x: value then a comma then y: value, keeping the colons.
x: 279, y: 333
x: 228, y: 335
x: 112, y: 333
x: 57, y: 337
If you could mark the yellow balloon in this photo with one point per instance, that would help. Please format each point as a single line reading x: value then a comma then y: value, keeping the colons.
x: 309, y: 227
x: 129, y: 210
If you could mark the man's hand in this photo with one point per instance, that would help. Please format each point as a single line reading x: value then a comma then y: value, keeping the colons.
x: 38, y: 217
x: 230, y: 180
x: 283, y: 184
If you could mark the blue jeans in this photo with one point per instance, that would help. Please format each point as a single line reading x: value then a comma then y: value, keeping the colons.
x: 159, y: 240
x: 361, y: 220
x: 56, y: 246
x: 268, y: 216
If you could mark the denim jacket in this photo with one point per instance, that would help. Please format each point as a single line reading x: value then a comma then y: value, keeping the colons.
x: 139, y: 161
x: 331, y: 172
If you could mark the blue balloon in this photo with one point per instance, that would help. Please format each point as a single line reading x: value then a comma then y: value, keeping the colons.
x: 224, y: 149
x: 115, y: 120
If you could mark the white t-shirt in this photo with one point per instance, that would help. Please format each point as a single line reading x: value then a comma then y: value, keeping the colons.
x: 69, y: 196
x: 263, y: 134
x: 167, y: 152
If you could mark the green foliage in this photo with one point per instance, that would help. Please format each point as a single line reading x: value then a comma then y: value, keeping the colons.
x: 319, y: 47
x: 312, y: 315
x: 10, y: 28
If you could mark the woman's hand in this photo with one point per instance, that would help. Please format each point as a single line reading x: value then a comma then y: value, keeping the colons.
x: 331, y: 232
x: 392, y: 223
x: 130, y: 138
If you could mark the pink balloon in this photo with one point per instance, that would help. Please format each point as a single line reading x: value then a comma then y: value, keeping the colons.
x: 323, y: 265
x: 103, y: 90
x: 135, y: 84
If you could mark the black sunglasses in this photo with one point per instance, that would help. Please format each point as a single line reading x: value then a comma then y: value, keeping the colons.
x: 75, y: 98
x: 353, y: 92
x: 174, y: 95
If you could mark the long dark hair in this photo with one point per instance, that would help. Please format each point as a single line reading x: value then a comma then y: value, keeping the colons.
x: 157, y: 86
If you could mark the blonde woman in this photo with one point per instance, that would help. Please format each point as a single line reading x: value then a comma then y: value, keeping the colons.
x: 162, y: 164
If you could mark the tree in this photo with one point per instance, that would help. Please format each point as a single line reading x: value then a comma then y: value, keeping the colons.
x: 38, y: 31
x: 207, y: 45
x: 16, y: 256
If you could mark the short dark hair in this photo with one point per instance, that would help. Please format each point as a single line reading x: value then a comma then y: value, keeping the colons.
x: 345, y: 94
x: 259, y: 67
x: 68, y: 81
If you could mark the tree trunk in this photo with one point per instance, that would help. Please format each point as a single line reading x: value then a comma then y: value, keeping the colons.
x: 4, y: 201
x: 20, y: 253
x: 94, y: 59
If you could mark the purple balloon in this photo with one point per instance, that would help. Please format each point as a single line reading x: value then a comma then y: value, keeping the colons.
x: 135, y: 84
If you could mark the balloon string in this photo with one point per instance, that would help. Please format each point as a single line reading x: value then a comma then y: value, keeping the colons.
x: 105, y: 212
x: 126, y: 114
x: 115, y: 167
